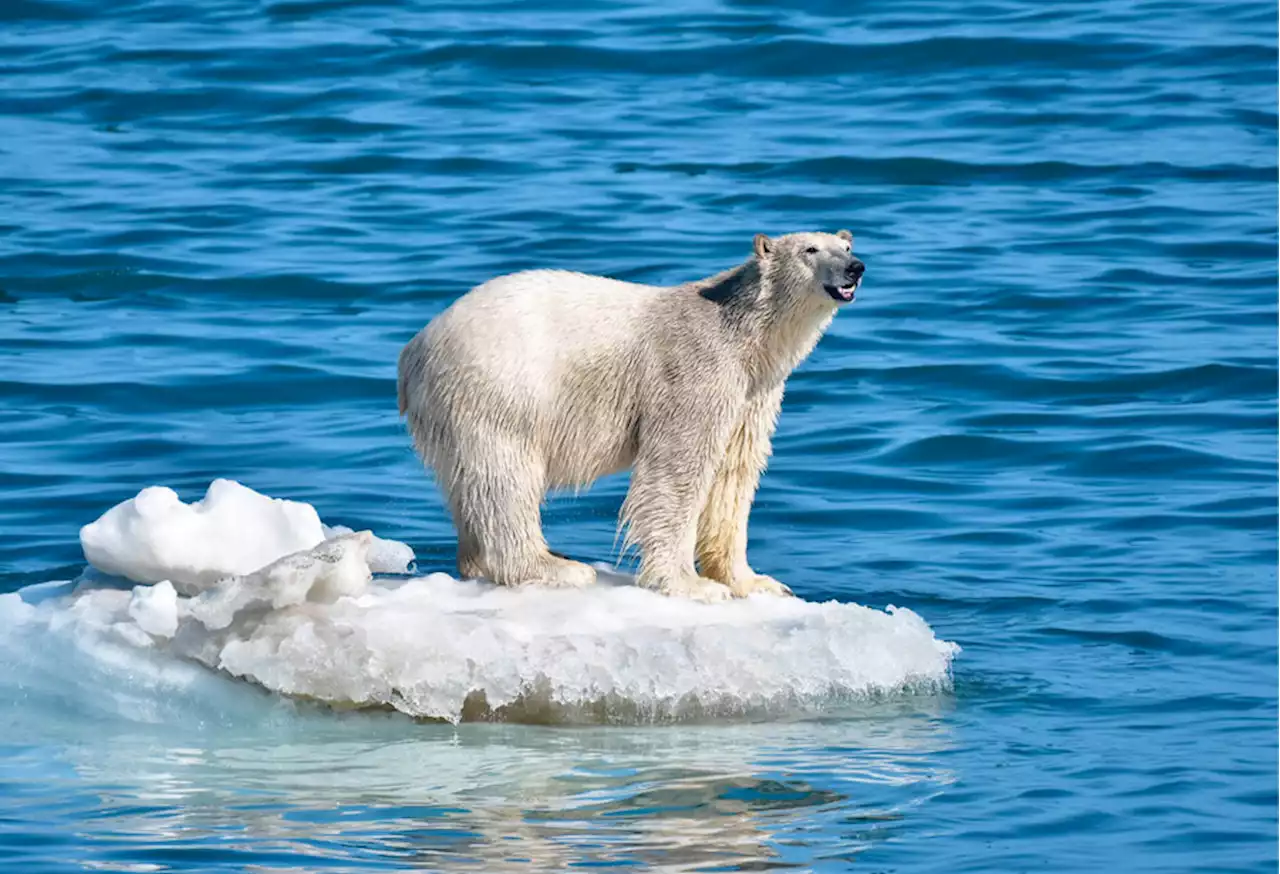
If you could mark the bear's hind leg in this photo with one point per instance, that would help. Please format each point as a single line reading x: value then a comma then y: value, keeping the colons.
x: 469, y: 564
x: 496, y: 504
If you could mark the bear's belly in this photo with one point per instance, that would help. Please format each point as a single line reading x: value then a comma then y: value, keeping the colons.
x: 590, y: 418
x: 586, y: 445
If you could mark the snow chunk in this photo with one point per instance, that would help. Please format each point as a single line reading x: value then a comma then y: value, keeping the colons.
x: 334, y: 569
x: 385, y: 556
x: 14, y: 611
x: 233, y: 530
x: 155, y: 609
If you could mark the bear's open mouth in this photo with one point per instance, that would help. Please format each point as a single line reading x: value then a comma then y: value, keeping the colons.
x: 843, y: 293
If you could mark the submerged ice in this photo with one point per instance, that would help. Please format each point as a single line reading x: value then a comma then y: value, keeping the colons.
x: 311, y: 621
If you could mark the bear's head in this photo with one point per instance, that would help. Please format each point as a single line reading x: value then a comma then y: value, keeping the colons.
x: 817, y: 263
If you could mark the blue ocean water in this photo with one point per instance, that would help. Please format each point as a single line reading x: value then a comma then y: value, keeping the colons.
x: 1048, y: 426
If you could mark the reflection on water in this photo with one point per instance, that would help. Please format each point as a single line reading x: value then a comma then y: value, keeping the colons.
x: 386, y: 792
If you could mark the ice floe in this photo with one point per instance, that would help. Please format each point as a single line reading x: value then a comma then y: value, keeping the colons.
x: 259, y: 589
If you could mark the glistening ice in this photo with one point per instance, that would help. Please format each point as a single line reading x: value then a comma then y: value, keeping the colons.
x: 313, y: 623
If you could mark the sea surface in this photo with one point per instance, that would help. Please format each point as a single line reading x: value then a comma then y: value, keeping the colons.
x: 1048, y: 426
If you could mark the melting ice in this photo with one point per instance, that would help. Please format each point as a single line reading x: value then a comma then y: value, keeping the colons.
x: 258, y: 588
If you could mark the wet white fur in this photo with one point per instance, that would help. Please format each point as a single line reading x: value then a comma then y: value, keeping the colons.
x: 549, y: 379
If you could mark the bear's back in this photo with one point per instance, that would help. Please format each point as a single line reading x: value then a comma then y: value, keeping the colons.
x: 546, y: 316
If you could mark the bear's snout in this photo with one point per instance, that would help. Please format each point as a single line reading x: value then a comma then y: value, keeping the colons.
x: 856, y: 268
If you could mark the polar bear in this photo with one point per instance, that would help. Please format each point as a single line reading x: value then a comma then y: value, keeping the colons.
x: 548, y: 379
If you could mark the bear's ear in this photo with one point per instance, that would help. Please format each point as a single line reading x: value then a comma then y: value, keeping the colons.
x: 763, y: 246
x: 845, y: 235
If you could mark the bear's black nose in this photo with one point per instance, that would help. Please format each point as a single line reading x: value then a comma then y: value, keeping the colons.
x: 856, y: 268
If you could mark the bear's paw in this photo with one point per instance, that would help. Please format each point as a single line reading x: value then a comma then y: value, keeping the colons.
x: 760, y: 584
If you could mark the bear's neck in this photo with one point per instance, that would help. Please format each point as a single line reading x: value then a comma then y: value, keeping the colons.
x: 778, y: 324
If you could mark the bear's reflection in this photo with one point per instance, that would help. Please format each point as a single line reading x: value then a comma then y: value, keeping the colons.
x: 497, y: 797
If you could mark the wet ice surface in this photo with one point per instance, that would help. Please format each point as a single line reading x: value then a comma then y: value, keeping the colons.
x: 315, y: 624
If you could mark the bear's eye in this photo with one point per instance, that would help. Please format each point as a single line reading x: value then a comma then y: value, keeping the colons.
x: 812, y: 250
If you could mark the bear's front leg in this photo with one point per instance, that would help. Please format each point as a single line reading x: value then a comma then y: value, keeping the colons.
x: 722, y: 524
x: 675, y: 465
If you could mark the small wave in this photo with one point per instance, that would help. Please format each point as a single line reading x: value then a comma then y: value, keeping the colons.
x: 913, y: 170
x: 797, y: 58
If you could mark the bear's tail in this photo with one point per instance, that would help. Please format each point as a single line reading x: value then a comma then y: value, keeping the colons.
x: 402, y: 380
